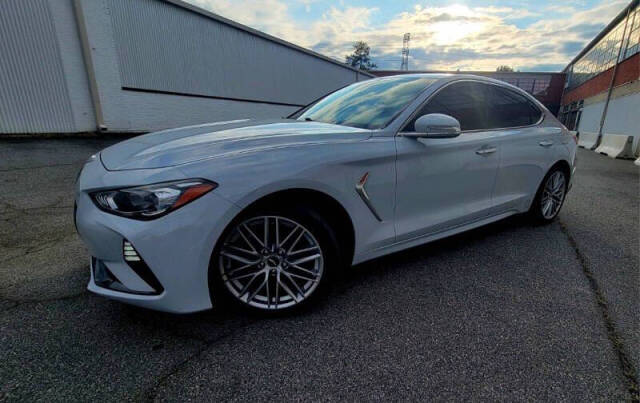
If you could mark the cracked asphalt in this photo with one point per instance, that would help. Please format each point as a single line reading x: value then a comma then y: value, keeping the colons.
x: 509, y: 312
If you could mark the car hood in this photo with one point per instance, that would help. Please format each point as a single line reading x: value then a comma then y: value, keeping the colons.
x: 222, y: 139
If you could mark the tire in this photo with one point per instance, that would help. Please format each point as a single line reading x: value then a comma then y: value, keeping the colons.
x: 292, y: 270
x: 550, y: 196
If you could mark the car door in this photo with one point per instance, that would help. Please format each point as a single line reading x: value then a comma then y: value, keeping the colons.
x: 444, y: 183
x: 527, y: 146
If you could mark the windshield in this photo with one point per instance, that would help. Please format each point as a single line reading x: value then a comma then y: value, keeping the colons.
x: 368, y: 104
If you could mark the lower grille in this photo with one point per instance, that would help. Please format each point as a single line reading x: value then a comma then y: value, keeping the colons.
x: 103, y: 277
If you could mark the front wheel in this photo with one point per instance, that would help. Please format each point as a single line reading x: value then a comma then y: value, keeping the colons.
x: 273, y: 261
x: 550, y: 196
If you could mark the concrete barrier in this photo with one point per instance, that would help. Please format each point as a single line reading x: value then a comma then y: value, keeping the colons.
x: 587, y: 140
x: 616, y: 146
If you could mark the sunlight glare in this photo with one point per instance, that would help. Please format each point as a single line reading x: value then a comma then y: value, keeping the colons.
x: 447, y: 33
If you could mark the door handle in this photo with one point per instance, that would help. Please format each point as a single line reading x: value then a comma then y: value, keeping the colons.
x: 485, y: 151
x: 546, y: 143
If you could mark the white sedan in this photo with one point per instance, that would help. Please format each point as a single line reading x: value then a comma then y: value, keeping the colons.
x: 261, y: 213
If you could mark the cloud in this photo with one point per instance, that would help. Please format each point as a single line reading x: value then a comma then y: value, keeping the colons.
x: 334, y: 32
x: 561, y: 9
x: 587, y: 30
x: 271, y: 16
x: 442, y: 38
x: 509, y: 13
x: 572, y: 47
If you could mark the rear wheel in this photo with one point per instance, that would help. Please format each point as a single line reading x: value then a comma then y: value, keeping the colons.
x: 550, y: 196
x: 275, y: 261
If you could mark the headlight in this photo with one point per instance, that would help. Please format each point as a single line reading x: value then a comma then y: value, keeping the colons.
x: 151, y: 201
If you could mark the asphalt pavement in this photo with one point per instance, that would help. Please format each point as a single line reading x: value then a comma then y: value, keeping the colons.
x: 508, y: 312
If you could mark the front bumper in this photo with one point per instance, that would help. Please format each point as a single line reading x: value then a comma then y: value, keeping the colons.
x: 176, y: 248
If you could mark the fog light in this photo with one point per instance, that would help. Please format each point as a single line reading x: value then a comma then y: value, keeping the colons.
x: 130, y: 254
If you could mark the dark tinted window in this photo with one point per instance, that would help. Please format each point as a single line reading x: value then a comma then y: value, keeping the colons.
x: 506, y: 108
x: 464, y: 101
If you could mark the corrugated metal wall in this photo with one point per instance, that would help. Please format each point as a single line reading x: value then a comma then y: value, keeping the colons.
x: 168, y: 48
x: 33, y: 90
x: 196, y: 67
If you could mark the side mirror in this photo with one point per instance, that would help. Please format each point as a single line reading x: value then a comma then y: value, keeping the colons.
x: 437, y: 125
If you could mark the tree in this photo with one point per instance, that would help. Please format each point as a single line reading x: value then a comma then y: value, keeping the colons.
x: 505, y: 69
x: 360, y: 57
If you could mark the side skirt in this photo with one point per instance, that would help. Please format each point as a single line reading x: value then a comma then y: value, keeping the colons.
x: 396, y: 247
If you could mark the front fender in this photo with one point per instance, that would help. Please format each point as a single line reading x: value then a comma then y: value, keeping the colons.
x: 330, y: 169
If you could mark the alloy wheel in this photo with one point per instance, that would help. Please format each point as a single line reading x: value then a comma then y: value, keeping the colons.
x: 271, y: 262
x: 553, y: 195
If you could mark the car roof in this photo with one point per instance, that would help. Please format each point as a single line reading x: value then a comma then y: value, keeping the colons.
x: 443, y: 77
x: 435, y: 76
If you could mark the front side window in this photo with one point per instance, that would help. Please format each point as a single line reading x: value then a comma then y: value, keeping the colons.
x: 463, y: 100
x: 368, y: 104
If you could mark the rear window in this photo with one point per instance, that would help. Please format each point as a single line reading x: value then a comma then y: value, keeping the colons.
x: 507, y: 108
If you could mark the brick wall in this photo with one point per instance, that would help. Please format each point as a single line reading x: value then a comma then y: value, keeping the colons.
x: 628, y: 70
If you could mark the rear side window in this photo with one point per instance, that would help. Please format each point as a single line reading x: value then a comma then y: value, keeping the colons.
x: 507, y: 108
x: 464, y: 101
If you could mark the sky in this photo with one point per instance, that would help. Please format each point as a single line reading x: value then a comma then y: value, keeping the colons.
x: 475, y: 35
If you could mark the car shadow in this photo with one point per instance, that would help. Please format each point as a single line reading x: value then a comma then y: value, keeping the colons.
x: 225, y: 318
x: 442, y: 246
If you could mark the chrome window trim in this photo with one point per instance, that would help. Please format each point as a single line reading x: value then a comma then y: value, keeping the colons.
x: 522, y: 92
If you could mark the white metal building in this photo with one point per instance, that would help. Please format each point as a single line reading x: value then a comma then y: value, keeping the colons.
x: 602, y: 94
x: 141, y: 65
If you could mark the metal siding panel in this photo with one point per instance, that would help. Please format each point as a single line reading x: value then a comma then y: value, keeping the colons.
x: 161, y: 111
x: 73, y: 64
x: 164, y: 47
x: 33, y: 90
